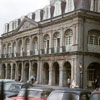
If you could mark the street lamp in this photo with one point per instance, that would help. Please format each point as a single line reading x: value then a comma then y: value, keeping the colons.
x: 80, y: 76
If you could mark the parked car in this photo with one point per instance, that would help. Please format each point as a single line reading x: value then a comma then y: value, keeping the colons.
x: 35, y: 93
x: 69, y: 94
x: 6, y: 81
x: 95, y: 94
x: 12, y: 89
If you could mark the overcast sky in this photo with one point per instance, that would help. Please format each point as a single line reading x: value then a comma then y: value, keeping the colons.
x: 13, y: 9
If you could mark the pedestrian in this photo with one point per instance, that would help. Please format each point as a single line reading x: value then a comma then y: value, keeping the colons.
x: 73, y: 84
x: 96, y: 83
x: 68, y: 82
x: 32, y: 78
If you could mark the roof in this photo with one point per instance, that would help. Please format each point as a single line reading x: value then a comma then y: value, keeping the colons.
x: 39, y: 89
x: 75, y: 91
x: 7, y: 80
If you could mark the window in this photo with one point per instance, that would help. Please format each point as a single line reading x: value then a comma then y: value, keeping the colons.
x: 63, y: 96
x: 46, y: 41
x: 94, y: 39
x: 68, y: 37
x: 56, y: 39
x: 35, y: 43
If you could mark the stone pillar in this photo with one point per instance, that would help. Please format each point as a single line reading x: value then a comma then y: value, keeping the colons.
x: 22, y: 72
x: 23, y: 45
x: 11, y: 70
x: 39, y: 74
x: 17, y: 47
x: 6, y: 49
x: 16, y: 72
x: 51, y: 74
x: 31, y: 45
x: 61, y: 74
x: 51, y: 39
x: 1, y: 70
x: 6, y: 70
x: 30, y: 69
x: 75, y: 72
x: 62, y: 37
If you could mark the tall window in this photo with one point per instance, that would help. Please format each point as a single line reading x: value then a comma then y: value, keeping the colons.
x: 9, y: 49
x: 68, y: 37
x: 94, y: 38
x: 4, y: 49
x: 95, y: 5
x: 35, y: 43
x: 46, y: 41
x: 56, y: 39
x: 27, y: 46
x: 69, y: 5
x: 14, y: 49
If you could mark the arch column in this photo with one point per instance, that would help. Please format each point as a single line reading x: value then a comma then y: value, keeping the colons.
x: 22, y: 73
x: 30, y: 45
x: 61, y: 74
x: 30, y: 69
x: 6, y: 71
x: 11, y: 70
x: 16, y: 46
x: 6, y: 50
x: 51, y: 74
x: 16, y: 72
x: 51, y: 40
x: 75, y: 70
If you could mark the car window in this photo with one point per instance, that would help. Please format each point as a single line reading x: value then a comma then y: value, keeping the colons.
x: 63, y: 96
x: 95, y: 97
x: 31, y: 93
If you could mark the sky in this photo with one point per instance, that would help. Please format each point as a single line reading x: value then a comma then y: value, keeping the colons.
x: 14, y: 9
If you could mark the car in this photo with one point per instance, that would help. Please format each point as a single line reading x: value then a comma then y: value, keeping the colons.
x: 69, y: 94
x: 34, y: 93
x: 5, y: 81
x: 12, y: 89
x: 95, y: 94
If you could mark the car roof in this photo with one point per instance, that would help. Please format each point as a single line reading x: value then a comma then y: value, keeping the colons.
x: 70, y: 90
x: 39, y: 89
x: 7, y: 80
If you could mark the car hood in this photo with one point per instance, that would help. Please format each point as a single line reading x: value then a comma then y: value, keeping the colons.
x: 22, y: 98
x: 10, y: 94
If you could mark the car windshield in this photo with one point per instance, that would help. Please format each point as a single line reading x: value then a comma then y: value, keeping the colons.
x: 12, y: 87
x: 63, y: 96
x: 31, y: 93
x: 95, y: 97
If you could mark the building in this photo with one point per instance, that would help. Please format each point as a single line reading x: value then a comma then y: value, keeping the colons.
x: 59, y: 41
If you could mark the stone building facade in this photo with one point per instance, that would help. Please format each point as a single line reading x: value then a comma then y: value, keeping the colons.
x: 53, y: 46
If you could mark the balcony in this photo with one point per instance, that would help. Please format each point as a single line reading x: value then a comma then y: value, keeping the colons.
x: 94, y: 48
x: 53, y: 50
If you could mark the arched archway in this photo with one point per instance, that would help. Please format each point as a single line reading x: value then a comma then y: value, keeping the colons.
x: 46, y: 73
x: 67, y: 72
x: 19, y: 71
x: 9, y: 71
x: 34, y: 70
x: 93, y: 73
x: 3, y: 71
x: 26, y: 71
x: 56, y: 73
